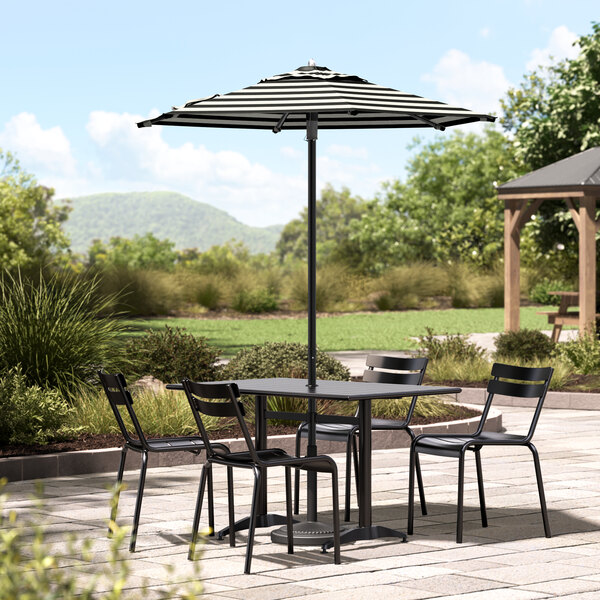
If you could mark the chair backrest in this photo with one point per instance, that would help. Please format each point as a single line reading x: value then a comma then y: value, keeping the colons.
x: 398, y: 369
x: 230, y: 407
x: 120, y: 398
x: 520, y: 382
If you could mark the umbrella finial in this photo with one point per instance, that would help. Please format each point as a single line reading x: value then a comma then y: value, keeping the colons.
x: 311, y: 62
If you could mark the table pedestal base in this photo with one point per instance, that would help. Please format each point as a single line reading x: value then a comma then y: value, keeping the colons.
x: 306, y: 533
x: 358, y: 534
x: 261, y: 521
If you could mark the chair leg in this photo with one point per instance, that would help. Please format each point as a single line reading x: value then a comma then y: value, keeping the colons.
x: 230, y: 504
x: 252, y: 524
x: 540, y: 484
x: 288, y: 509
x: 484, y: 521
x: 138, y: 502
x: 348, y: 477
x: 420, y: 485
x: 356, y: 466
x: 297, y: 477
x: 419, y: 476
x: 211, y: 504
x: 459, y: 504
x: 201, y: 486
x: 336, y: 519
x: 411, y: 490
x: 115, y: 498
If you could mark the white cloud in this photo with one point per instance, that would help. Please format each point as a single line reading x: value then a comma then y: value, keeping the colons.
x: 461, y: 81
x: 46, y: 150
x: 484, y: 32
x: 250, y: 191
x: 291, y: 152
x: 560, y: 46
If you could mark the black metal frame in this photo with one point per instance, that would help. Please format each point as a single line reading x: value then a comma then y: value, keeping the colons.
x: 256, y: 460
x: 534, y: 383
x: 119, y: 396
x: 407, y: 370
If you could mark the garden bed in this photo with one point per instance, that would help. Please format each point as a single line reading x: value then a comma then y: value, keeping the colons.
x: 89, y: 441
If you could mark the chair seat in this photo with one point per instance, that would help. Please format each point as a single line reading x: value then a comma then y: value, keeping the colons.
x: 451, y: 445
x: 331, y: 432
x: 387, y: 424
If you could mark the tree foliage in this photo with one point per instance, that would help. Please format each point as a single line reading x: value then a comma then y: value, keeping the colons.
x: 556, y: 111
x: 553, y: 115
x: 140, y: 252
x: 30, y: 224
x: 335, y: 212
x: 446, y: 210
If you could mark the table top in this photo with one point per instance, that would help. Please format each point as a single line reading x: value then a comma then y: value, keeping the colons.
x: 569, y: 294
x: 333, y: 390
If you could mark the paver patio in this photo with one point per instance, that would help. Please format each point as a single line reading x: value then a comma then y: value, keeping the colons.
x: 511, y: 559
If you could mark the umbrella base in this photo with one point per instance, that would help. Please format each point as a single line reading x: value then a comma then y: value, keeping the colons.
x: 306, y: 533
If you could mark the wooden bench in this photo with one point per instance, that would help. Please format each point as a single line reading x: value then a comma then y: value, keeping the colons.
x: 563, y: 316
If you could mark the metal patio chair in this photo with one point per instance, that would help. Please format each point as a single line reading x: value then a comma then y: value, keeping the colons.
x: 403, y: 370
x: 508, y: 380
x: 121, y: 403
x: 256, y: 460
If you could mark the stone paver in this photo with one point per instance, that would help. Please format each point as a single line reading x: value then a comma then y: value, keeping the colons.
x: 509, y: 560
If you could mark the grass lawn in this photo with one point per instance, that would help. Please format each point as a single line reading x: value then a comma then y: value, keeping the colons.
x: 373, y: 331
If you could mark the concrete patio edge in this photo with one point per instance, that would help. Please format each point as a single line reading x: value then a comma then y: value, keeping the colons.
x: 564, y: 400
x: 82, y: 462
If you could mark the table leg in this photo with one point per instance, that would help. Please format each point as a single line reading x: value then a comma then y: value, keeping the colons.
x: 311, y: 450
x: 263, y: 519
x: 365, y: 530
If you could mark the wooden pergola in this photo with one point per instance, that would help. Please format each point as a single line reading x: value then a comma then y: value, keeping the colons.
x: 576, y: 180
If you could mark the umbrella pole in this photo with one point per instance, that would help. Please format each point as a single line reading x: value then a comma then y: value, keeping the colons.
x: 311, y: 138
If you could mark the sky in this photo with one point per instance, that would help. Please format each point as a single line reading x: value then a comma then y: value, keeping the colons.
x: 76, y: 76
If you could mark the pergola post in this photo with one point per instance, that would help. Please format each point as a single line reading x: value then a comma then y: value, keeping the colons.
x: 587, y: 264
x: 512, y: 263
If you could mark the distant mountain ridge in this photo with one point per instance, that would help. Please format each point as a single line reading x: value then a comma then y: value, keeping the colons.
x: 167, y: 215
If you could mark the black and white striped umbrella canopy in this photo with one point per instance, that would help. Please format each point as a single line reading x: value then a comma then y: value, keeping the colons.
x: 312, y: 98
x: 341, y: 102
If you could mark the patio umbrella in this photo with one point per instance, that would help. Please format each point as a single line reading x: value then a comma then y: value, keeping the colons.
x: 312, y: 98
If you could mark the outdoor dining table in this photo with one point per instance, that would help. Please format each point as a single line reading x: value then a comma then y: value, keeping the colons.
x: 311, y: 532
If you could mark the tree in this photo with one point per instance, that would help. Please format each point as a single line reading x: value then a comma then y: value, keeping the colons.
x: 556, y: 111
x: 140, y: 252
x: 335, y: 212
x: 553, y: 115
x: 30, y: 224
x: 447, y: 209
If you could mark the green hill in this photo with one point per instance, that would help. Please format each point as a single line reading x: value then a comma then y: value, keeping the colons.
x: 167, y: 215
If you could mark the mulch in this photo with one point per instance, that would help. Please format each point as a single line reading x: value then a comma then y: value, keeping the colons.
x: 90, y: 441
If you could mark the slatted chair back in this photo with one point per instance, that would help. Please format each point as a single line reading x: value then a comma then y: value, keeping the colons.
x: 398, y: 369
x: 519, y: 382
x: 230, y: 407
x: 120, y: 400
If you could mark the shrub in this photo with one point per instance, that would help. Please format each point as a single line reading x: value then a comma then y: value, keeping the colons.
x: 539, y: 292
x: 471, y: 289
x: 524, y: 345
x: 255, y: 301
x: 142, y: 292
x: 405, y: 287
x: 171, y: 355
x: 58, y: 330
x: 30, y: 414
x: 331, y: 287
x: 283, y: 359
x: 160, y: 414
x: 208, y: 291
x: 454, y: 347
x: 582, y: 353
